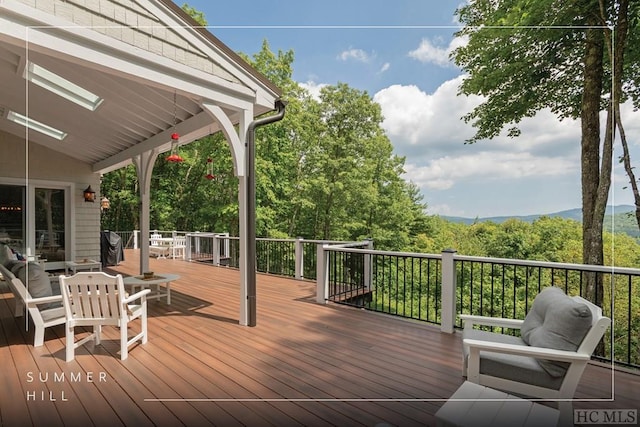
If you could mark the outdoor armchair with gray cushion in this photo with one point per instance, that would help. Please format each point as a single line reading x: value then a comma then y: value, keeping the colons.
x: 557, y: 339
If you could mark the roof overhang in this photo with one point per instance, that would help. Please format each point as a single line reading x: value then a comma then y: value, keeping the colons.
x: 145, y: 95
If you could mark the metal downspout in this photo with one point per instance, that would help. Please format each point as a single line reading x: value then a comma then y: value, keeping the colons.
x: 250, y: 239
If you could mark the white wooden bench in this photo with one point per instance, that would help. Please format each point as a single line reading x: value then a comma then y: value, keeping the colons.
x: 42, y: 318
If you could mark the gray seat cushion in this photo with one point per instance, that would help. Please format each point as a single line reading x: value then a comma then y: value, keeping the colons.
x: 512, y: 367
x: 556, y: 321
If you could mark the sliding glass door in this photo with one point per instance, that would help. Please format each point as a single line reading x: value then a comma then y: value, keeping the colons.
x: 12, y: 216
x: 50, y: 224
x: 34, y: 221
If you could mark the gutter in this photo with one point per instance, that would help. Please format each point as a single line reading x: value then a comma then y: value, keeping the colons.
x: 250, y: 238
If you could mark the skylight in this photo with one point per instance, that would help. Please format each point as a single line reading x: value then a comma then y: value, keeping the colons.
x: 61, y: 86
x: 36, y: 125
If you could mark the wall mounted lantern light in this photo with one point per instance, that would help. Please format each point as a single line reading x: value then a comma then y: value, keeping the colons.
x: 89, y: 195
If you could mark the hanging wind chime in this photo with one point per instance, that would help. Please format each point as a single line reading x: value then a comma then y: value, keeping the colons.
x: 210, y: 174
x: 175, y: 137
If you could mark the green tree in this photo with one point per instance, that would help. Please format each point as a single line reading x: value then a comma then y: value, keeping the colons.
x: 525, y: 56
x: 196, y: 14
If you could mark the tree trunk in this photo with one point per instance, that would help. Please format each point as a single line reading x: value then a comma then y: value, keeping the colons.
x: 594, y: 183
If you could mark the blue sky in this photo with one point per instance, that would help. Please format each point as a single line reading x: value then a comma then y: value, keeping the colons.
x: 397, y: 52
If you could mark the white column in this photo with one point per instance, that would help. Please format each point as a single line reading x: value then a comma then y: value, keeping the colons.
x: 322, y: 274
x: 144, y: 168
x: 448, y: 316
x: 237, y: 144
x: 299, y: 253
x: 245, y: 119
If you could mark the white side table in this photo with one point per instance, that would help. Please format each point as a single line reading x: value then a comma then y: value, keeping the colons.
x: 88, y: 264
x: 474, y: 405
x: 138, y: 283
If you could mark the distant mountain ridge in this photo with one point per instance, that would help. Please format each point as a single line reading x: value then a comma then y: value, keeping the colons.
x: 575, y: 214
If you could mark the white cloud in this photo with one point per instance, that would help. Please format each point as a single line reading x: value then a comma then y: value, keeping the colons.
x: 313, y: 88
x: 413, y: 118
x: 356, y: 55
x: 444, y: 209
x: 444, y: 172
x: 429, y: 131
x: 427, y: 126
x: 385, y: 67
x: 428, y: 52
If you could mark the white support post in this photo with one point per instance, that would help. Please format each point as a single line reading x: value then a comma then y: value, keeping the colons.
x: 216, y: 250
x: 135, y: 239
x: 226, y: 246
x: 448, y: 314
x: 322, y: 275
x: 144, y: 168
x: 299, y: 251
x: 368, y: 266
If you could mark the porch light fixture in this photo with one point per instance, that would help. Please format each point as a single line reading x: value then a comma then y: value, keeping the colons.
x: 104, y: 204
x: 36, y: 125
x: 89, y: 194
x: 60, y: 86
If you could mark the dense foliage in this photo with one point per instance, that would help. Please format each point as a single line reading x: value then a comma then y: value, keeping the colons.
x: 551, y: 239
x: 326, y: 171
x: 576, y: 59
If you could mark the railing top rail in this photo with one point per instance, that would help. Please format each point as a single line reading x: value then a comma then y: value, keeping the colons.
x: 548, y: 264
x: 349, y: 244
x: 207, y: 234
x: 328, y: 242
x: 343, y: 248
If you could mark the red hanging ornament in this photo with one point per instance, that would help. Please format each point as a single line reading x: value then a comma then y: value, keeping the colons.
x: 210, y: 174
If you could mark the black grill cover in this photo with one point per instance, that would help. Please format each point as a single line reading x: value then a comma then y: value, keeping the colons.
x: 111, y: 250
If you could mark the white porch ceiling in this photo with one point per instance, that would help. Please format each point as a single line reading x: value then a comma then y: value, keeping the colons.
x: 138, y: 111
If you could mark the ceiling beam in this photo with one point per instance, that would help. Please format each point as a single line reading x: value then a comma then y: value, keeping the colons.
x: 186, y: 129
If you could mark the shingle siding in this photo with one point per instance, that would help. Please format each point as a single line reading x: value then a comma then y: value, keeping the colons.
x: 128, y: 21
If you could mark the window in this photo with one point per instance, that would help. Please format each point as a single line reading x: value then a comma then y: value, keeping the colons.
x: 36, y: 125
x: 35, y: 220
x: 12, y: 216
x: 50, y: 224
x: 60, y: 86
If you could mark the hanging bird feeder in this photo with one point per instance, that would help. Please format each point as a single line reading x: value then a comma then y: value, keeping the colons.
x: 174, y: 156
x: 175, y: 137
x: 210, y: 174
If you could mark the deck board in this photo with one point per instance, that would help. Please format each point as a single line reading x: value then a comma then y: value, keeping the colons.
x: 304, y: 363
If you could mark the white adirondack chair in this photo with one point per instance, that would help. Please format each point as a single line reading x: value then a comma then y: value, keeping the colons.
x: 97, y: 299
x: 558, y: 337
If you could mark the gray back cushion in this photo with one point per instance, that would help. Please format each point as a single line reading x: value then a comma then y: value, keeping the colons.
x: 6, y: 254
x: 34, y: 278
x: 556, y: 321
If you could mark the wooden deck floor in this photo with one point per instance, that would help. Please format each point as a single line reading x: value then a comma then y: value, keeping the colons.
x: 303, y: 364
